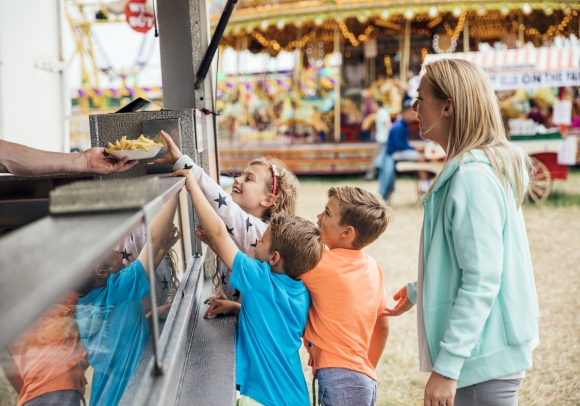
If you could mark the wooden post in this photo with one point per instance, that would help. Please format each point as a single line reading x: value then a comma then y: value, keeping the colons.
x: 337, y: 87
x: 406, y: 52
x: 466, y: 35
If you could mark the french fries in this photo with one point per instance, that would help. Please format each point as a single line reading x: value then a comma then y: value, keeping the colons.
x: 125, y: 144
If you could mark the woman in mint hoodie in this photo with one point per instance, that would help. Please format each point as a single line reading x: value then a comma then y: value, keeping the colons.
x: 475, y: 294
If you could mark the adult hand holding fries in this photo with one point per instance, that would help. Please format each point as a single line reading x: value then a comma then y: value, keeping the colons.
x: 25, y: 161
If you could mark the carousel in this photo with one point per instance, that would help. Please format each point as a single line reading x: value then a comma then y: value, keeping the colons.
x: 314, y: 113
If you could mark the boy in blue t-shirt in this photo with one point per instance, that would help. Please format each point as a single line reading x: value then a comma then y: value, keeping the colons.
x: 111, y: 321
x: 273, y: 313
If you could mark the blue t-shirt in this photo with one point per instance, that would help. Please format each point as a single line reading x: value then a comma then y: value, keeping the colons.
x: 398, y: 137
x: 270, y: 326
x: 114, y: 330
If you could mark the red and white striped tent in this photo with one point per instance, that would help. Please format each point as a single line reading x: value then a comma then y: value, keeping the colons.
x: 524, y: 67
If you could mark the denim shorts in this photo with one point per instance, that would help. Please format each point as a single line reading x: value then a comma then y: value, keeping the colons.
x: 58, y: 398
x: 497, y: 392
x: 345, y: 387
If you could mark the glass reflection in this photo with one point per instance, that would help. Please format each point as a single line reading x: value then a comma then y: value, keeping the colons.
x: 84, y: 350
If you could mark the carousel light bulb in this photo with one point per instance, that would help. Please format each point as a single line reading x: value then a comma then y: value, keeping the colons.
x: 527, y: 8
x: 298, y: 22
x: 409, y: 14
x: 548, y: 10
x: 318, y: 21
x: 385, y: 14
x: 481, y: 10
x: 456, y: 12
x: 567, y: 10
x: 280, y: 24
x: 236, y: 30
x: 433, y: 12
x: 504, y: 10
x: 361, y: 18
x: 264, y: 25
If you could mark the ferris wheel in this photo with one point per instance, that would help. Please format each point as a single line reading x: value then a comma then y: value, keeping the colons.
x: 83, y: 15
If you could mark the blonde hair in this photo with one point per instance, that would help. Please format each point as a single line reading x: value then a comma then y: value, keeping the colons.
x: 364, y: 211
x: 286, y: 186
x: 286, y: 197
x: 298, y: 241
x: 476, y: 122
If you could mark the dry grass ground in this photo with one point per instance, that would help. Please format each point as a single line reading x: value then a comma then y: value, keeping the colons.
x: 554, y: 235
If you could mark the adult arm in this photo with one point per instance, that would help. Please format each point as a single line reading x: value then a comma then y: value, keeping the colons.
x: 378, y: 340
x: 475, y: 211
x: 212, y: 224
x: 25, y: 161
x: 159, y: 229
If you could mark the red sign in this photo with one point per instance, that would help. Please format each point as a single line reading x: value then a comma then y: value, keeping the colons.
x: 137, y: 17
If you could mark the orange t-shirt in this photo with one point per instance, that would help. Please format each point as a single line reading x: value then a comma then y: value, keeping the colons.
x: 347, y: 294
x: 50, y: 355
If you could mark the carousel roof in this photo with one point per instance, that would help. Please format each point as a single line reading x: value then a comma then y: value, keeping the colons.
x: 272, y: 26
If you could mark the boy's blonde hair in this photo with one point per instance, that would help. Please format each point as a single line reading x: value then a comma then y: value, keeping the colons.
x: 286, y: 186
x: 362, y: 210
x: 298, y: 241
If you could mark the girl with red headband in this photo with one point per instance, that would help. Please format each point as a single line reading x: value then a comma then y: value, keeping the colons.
x: 265, y: 188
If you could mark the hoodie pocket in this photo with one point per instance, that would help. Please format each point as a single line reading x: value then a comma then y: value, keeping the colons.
x: 520, y: 320
x: 436, y: 324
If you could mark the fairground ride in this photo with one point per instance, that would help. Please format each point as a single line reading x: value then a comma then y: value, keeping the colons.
x: 379, y: 43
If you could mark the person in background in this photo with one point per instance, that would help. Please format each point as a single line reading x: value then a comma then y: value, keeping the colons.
x: 21, y: 160
x: 382, y: 127
x: 398, y: 143
x: 535, y: 113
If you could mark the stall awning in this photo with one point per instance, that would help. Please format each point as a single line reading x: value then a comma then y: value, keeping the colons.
x: 525, y: 67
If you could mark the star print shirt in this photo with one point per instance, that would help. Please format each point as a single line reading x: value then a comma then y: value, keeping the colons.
x: 244, y: 228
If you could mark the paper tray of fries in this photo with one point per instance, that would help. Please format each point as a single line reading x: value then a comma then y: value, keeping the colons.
x: 141, y: 148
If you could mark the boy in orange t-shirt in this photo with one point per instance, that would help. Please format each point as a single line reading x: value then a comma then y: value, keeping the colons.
x: 344, y: 335
x: 50, y: 359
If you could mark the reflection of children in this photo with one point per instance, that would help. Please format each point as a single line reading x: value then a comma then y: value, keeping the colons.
x: 166, y: 282
x: 275, y: 306
x: 111, y: 320
x: 50, y: 358
x: 344, y: 335
x: 265, y: 188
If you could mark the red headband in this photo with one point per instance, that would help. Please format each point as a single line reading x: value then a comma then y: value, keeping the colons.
x: 274, y: 176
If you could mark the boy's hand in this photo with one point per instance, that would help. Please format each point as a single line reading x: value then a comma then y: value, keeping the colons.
x: 222, y: 307
x: 173, y: 153
x: 189, y: 177
x: 403, y: 304
x: 172, y: 238
x: 200, y: 234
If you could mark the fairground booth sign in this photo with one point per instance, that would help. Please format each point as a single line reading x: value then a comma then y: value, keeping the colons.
x: 525, y: 67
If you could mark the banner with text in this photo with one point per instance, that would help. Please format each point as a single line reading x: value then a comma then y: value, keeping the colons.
x: 524, y: 80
